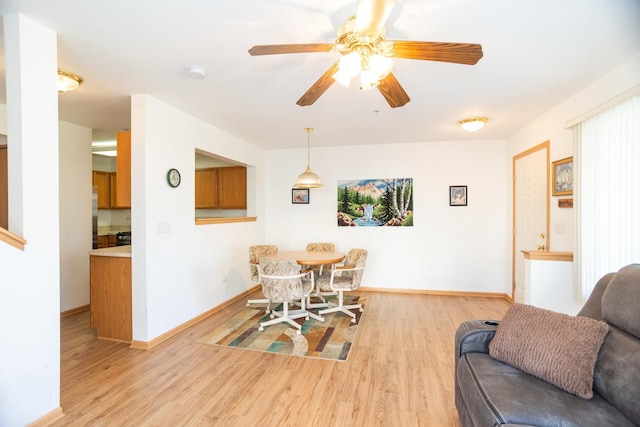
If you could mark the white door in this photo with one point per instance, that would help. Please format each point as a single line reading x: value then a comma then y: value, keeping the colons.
x: 530, y: 211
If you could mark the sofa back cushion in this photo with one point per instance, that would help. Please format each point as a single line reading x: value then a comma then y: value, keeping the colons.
x: 617, y: 371
x: 621, y: 300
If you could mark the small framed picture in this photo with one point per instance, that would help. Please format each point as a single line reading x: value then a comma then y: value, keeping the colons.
x: 457, y: 195
x: 299, y: 196
x: 563, y: 177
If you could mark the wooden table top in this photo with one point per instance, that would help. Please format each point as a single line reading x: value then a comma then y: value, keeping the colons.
x: 309, y: 257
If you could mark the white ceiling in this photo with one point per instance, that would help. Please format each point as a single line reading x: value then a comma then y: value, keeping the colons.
x: 536, y: 54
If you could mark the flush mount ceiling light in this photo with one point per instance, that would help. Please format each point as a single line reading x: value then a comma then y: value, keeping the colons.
x: 68, y: 81
x: 308, y: 179
x: 473, y: 124
x: 104, y: 148
x: 197, y: 72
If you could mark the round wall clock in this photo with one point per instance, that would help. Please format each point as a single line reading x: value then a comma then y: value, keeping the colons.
x: 173, y: 177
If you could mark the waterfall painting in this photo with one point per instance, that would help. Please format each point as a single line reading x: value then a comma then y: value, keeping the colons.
x: 375, y: 202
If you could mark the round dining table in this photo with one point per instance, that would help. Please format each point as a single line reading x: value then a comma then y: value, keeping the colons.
x: 309, y: 257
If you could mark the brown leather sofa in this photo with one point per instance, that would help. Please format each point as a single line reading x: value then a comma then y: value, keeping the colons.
x: 493, y: 393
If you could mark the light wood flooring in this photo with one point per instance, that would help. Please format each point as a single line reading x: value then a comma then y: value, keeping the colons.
x: 399, y: 373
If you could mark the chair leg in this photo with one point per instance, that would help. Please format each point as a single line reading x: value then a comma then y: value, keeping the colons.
x: 305, y: 308
x: 285, y: 316
x: 343, y: 308
x: 260, y: 301
x: 317, y: 293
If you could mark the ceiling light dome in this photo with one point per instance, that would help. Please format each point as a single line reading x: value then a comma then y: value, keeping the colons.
x: 67, y: 81
x: 473, y: 124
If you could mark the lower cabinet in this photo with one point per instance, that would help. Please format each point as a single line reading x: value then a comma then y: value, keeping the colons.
x: 107, y: 241
x: 110, y: 297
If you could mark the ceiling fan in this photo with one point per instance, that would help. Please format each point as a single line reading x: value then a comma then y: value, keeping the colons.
x: 366, y: 52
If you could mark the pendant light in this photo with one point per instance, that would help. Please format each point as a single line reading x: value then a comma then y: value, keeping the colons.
x: 308, y: 179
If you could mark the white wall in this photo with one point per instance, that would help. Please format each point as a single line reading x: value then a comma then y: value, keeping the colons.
x: 178, y: 267
x: 551, y: 126
x: 30, y: 279
x: 75, y: 215
x: 448, y: 248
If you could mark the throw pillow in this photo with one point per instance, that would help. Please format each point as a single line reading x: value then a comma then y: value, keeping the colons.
x: 555, y: 347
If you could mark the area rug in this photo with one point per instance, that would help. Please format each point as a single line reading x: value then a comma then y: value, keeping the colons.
x: 331, y: 339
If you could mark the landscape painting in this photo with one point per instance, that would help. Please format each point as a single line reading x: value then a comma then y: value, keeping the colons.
x: 375, y: 203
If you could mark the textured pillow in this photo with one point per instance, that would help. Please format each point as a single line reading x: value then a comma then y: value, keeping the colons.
x: 555, y: 347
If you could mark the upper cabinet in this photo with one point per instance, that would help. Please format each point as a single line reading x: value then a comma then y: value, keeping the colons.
x: 221, y: 188
x: 114, y: 188
x: 207, y: 188
x: 101, y: 180
x: 232, y: 188
x: 123, y: 170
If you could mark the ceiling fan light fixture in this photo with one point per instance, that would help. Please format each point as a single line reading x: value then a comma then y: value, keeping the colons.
x: 68, y: 81
x: 308, y: 179
x: 368, y: 80
x: 348, y: 67
x: 342, y: 77
x: 380, y: 65
x: 473, y: 124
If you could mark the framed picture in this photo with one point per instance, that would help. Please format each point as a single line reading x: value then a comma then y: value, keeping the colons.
x: 457, y: 195
x: 299, y: 196
x: 563, y: 177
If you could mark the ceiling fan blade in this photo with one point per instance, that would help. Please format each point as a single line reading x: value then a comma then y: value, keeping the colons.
x: 458, y: 53
x: 371, y: 16
x: 319, y: 87
x: 393, y: 92
x: 274, y: 49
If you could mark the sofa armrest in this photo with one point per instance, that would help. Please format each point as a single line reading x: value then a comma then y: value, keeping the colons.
x: 475, y: 336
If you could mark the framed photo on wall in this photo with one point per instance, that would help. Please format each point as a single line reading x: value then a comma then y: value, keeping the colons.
x: 563, y: 177
x: 457, y: 195
x: 300, y: 196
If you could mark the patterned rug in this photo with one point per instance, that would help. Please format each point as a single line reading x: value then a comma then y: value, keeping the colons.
x: 331, y: 339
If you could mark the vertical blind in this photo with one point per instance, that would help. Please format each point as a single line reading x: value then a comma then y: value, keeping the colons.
x: 607, y: 192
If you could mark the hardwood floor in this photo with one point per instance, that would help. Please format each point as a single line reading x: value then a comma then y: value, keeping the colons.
x: 399, y: 373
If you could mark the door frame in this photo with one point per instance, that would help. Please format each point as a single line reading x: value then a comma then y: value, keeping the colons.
x: 542, y: 146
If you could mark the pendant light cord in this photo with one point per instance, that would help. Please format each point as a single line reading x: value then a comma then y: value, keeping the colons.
x: 308, y: 146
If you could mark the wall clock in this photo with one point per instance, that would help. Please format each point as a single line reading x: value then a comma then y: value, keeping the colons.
x: 173, y: 177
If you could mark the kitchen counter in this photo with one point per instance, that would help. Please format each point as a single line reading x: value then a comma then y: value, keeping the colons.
x: 110, y: 293
x: 116, y: 251
x: 111, y: 230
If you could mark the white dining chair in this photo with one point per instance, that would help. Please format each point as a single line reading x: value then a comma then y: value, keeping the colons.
x: 255, y: 253
x: 283, y: 282
x: 344, y: 278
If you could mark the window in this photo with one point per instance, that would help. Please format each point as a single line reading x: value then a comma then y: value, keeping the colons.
x: 607, y: 180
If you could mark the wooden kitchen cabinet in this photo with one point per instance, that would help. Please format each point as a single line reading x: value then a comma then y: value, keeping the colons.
x: 107, y: 241
x: 110, y: 297
x: 102, y: 181
x: 113, y: 181
x: 221, y: 188
x: 103, y: 242
x: 206, y: 188
x: 107, y: 183
x: 123, y: 170
x: 232, y: 188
